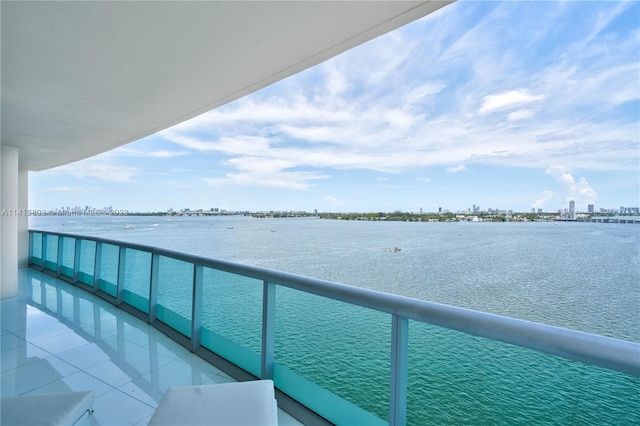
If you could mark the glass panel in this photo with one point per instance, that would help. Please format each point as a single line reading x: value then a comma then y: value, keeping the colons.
x: 36, y: 248
x: 175, y: 290
x: 137, y: 279
x: 455, y: 378
x: 87, y: 261
x: 51, y: 252
x: 68, y: 256
x: 232, y: 318
x: 109, y: 269
x: 333, y: 357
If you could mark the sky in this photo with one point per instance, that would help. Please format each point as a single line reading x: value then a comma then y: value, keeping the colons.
x: 502, y: 105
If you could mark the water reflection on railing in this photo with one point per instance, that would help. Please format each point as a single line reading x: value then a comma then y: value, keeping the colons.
x: 341, y: 351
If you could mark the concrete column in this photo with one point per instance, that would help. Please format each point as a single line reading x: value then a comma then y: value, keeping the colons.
x: 1, y: 221
x: 23, y: 220
x: 9, y: 225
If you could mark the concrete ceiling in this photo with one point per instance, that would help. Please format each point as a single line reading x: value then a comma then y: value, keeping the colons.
x: 81, y: 78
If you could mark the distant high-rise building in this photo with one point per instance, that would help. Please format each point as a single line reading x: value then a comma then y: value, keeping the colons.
x: 591, y: 208
x: 572, y: 210
x: 539, y: 211
x: 629, y: 210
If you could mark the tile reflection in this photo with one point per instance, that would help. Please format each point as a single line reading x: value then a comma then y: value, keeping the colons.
x: 59, y: 338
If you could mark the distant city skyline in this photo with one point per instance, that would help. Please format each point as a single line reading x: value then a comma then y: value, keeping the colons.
x: 459, y: 108
x: 475, y: 209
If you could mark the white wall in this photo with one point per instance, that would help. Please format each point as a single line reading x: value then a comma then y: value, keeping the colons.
x: 23, y: 220
x: 9, y: 225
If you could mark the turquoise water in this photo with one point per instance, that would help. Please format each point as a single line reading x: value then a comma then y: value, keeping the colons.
x: 576, y: 275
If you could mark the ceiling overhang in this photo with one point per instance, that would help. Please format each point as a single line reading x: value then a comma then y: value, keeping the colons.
x: 81, y: 78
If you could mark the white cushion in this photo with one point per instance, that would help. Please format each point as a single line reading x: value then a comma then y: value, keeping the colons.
x: 243, y: 403
x: 46, y: 409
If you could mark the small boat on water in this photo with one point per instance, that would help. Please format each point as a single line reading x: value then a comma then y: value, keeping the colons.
x: 127, y: 227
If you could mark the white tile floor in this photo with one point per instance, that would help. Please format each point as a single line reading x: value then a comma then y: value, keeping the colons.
x: 59, y: 338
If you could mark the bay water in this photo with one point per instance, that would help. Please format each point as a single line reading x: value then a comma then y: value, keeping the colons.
x: 583, y: 276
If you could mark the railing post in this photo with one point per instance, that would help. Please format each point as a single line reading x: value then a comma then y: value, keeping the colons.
x: 268, y: 329
x: 96, y: 267
x: 398, y: 390
x: 76, y: 261
x: 43, y: 242
x: 59, y: 261
x: 122, y: 254
x: 43, y: 250
x: 196, y: 307
x: 153, y: 287
x: 30, y: 248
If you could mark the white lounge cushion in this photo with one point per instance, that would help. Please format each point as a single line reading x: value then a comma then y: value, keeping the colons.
x: 47, y: 409
x: 230, y: 404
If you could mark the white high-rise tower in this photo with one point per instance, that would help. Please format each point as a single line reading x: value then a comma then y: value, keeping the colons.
x: 572, y: 209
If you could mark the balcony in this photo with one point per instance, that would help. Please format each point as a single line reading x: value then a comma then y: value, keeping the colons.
x: 59, y: 338
x: 153, y: 317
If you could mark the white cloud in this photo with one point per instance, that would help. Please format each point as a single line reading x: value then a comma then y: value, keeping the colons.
x: 337, y: 82
x: 133, y: 152
x: 580, y: 191
x: 521, y: 114
x: 545, y: 198
x: 457, y: 169
x: 399, y: 119
x: 164, y: 154
x: 424, y: 91
x: 73, y: 188
x: 103, y: 167
x: 505, y: 100
x: 188, y: 142
x: 263, y: 172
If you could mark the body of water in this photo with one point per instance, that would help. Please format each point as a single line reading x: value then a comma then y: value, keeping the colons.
x: 583, y: 276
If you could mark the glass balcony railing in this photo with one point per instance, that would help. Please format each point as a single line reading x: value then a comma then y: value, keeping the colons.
x: 356, y: 356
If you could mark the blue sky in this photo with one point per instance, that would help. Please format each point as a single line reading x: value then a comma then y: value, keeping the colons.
x: 508, y: 105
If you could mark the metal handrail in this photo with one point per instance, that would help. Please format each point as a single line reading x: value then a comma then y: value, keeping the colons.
x: 607, y: 352
x: 610, y: 353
